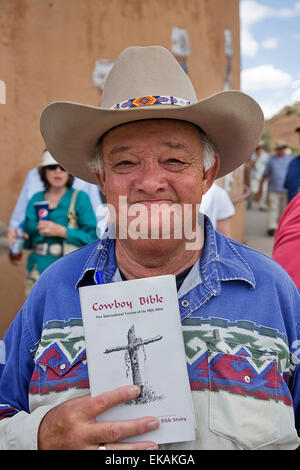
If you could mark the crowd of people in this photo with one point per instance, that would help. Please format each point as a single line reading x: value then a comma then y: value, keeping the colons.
x: 239, y: 310
x: 274, y: 181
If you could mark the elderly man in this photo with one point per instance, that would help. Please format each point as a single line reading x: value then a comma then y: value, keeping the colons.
x: 154, y: 144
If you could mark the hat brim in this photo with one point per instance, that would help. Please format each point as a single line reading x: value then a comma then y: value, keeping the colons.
x: 232, y: 120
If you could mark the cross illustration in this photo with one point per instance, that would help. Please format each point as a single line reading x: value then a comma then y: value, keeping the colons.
x: 132, y: 347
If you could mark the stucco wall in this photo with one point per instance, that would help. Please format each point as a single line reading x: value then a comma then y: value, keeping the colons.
x: 48, y: 50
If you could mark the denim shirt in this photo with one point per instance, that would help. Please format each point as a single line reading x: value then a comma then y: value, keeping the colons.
x: 276, y: 170
x: 240, y: 315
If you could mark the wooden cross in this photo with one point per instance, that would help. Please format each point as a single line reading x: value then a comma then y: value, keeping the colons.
x: 132, y: 347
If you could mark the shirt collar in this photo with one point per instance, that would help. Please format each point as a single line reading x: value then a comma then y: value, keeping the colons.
x: 220, y: 261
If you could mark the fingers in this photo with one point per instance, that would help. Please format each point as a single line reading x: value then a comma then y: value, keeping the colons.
x: 46, y: 228
x: 145, y: 445
x: 43, y: 223
x: 11, y: 236
x: 116, y: 431
x: 96, y: 405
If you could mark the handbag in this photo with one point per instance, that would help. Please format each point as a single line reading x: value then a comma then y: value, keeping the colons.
x: 72, y: 223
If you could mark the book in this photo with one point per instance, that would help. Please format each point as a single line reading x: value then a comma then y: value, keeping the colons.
x: 133, y: 336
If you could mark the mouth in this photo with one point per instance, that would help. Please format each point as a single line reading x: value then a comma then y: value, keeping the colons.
x: 149, y: 202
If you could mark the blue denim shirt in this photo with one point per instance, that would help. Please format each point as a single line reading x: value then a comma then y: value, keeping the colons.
x: 276, y: 170
x: 240, y: 316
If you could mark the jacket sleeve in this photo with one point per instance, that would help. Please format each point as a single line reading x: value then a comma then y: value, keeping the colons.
x: 18, y: 427
x: 86, y: 220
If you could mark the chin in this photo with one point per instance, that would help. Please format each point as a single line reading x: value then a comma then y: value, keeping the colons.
x: 155, y: 247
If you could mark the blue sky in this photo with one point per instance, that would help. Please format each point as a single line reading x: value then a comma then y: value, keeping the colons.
x: 270, y: 52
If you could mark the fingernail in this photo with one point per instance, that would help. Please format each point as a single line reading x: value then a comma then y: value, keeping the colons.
x: 153, y: 425
x: 134, y: 391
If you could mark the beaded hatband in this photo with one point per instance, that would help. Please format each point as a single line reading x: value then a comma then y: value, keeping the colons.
x: 151, y: 100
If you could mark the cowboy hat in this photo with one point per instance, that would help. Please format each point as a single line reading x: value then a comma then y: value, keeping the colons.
x: 148, y: 83
x: 280, y: 144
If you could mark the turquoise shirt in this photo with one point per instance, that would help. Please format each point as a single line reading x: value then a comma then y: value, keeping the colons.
x: 84, y: 234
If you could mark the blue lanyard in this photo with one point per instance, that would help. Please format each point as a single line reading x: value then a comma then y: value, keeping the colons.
x: 99, y: 278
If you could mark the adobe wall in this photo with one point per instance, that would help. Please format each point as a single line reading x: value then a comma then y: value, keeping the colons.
x: 48, y: 50
x: 282, y: 127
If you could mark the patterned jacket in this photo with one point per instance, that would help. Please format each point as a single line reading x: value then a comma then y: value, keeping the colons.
x: 240, y: 316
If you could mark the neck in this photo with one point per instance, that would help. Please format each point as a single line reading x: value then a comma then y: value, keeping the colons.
x: 54, y: 191
x: 144, y: 258
x: 54, y: 195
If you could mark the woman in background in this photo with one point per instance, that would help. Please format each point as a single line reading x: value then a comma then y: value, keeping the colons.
x: 48, y: 238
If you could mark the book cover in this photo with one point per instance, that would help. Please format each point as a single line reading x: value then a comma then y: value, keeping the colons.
x: 133, y: 336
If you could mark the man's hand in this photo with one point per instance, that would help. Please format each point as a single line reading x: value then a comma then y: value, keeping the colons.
x: 72, y: 425
x: 47, y: 228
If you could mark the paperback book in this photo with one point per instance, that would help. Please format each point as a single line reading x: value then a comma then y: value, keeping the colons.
x: 133, y: 336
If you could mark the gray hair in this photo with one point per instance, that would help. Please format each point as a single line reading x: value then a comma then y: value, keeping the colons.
x: 209, y: 154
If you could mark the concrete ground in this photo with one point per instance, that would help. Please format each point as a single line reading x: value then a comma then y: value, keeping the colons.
x: 255, y: 231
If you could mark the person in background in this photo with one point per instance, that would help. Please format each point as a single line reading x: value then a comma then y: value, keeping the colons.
x: 292, y: 180
x: 275, y: 172
x: 286, y: 249
x: 33, y: 184
x: 257, y: 165
x: 217, y: 205
x: 46, y: 238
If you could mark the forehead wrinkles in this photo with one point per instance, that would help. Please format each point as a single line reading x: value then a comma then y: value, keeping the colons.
x: 132, y: 139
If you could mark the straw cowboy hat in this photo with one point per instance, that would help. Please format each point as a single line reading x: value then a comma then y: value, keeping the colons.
x: 148, y: 83
x: 261, y: 143
x: 281, y: 144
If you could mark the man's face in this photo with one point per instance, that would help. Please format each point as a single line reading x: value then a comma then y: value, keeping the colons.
x: 156, y: 163
x: 281, y: 151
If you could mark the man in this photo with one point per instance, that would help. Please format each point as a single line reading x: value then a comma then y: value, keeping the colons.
x: 154, y: 144
x: 275, y: 172
x: 292, y: 180
x: 257, y: 165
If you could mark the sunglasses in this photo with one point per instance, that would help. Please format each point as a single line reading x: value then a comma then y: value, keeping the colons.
x: 53, y: 167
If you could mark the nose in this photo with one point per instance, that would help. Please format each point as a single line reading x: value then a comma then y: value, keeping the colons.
x: 58, y: 169
x: 151, y: 180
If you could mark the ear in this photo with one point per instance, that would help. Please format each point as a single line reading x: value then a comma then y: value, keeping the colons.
x: 210, y: 175
x: 100, y: 177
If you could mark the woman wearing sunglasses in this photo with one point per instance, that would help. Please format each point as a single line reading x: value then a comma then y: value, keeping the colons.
x: 49, y: 231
